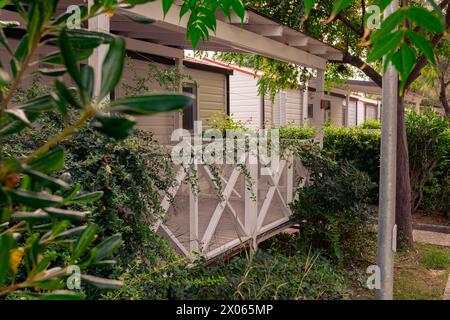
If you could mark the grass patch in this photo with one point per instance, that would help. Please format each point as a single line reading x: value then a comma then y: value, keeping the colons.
x: 421, y: 274
x: 435, y: 257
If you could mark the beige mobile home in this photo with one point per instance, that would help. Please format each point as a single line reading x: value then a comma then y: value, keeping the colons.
x: 207, y: 83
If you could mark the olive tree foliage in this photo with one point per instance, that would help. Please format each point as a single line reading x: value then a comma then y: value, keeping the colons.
x: 35, y: 197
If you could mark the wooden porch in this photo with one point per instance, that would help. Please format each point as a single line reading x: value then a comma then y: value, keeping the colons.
x: 250, y: 207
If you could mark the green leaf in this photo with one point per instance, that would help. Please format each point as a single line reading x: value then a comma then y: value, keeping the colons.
x: 49, y: 162
x: 339, y: 5
x: 88, y: 197
x: 404, y: 61
x: 3, y: 3
x: 388, y: 25
x: 385, y: 45
x: 69, y: 58
x: 425, y: 19
x: 150, y: 104
x: 34, y: 25
x: 116, y: 127
x: 63, y: 214
x: 6, y: 244
x: 308, y: 6
x: 106, y: 248
x: 112, y: 66
x: 83, y: 243
x: 423, y: 45
x: 167, y: 4
x: 40, y: 104
x: 102, y: 283
x: 46, y: 181
x: 56, y: 57
x: 67, y: 94
x: 19, y: 55
x: 4, y: 41
x: 34, y: 199
x: 19, y: 115
x: 53, y: 72
x: 74, y: 232
x: 16, y: 126
x: 87, y: 79
x: 238, y: 8
x: 72, y: 193
x: 34, y: 216
x: 383, y: 4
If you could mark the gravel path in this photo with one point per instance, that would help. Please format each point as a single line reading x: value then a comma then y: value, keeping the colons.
x: 440, y: 239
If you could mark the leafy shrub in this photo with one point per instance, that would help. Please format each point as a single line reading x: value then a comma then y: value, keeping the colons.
x: 43, y: 232
x: 131, y: 175
x: 268, y: 274
x: 359, y: 147
x: 332, y: 210
x: 429, y: 159
x: 371, y: 124
x: 223, y: 122
x: 296, y: 133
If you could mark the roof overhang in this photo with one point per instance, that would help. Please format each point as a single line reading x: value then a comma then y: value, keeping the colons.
x: 256, y: 34
x: 369, y: 87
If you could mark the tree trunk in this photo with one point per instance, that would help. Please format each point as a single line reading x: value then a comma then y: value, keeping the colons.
x: 403, y: 217
x: 443, y: 97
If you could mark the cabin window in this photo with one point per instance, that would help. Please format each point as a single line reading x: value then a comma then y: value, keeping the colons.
x: 190, y: 112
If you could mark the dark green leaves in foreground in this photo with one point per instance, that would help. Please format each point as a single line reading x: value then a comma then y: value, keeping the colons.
x: 402, y: 45
x: 120, y: 127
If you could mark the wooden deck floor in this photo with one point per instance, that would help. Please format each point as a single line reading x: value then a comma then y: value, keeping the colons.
x: 228, y: 229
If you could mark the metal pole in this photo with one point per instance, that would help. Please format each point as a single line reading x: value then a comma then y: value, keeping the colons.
x: 388, y: 173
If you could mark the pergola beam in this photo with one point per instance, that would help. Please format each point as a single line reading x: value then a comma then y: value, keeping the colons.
x: 266, y: 30
x: 233, y: 36
x: 156, y: 49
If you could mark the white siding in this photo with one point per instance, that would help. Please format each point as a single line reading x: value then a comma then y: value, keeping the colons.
x: 361, y: 113
x: 162, y: 124
x: 371, y: 112
x: 293, y: 107
x: 268, y: 112
x: 211, y: 94
x: 352, y: 113
x: 245, y: 103
x: 336, y: 112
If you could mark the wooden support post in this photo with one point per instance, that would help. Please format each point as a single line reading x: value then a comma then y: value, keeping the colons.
x: 305, y: 105
x: 251, y: 198
x: 99, y: 23
x: 290, y: 180
x: 193, y: 216
x: 319, y: 115
x: 378, y: 110
x: 347, y: 110
x: 178, y: 115
x: 277, y: 111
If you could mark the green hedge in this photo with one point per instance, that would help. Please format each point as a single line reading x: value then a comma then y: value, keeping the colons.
x: 429, y: 150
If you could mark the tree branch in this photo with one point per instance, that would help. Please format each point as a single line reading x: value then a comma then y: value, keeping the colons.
x: 422, y: 61
x: 359, y: 30
x: 364, y: 67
